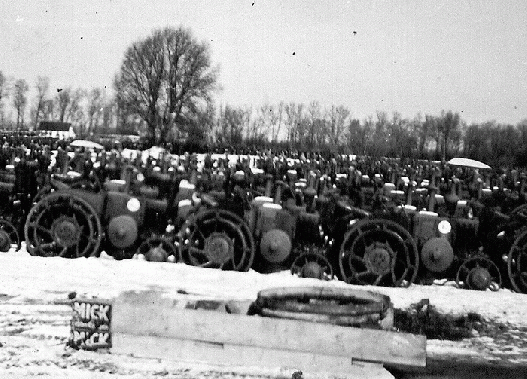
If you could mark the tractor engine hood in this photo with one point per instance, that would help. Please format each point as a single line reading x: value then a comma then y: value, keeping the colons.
x: 120, y: 203
x: 124, y: 216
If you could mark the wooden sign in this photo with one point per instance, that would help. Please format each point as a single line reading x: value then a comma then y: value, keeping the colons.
x: 91, y: 324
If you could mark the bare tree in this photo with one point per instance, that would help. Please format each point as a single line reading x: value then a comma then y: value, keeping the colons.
x: 62, y: 102
x: 20, y: 101
x: 276, y: 119
x: 48, y: 110
x: 166, y: 79
x: 314, y: 114
x: 369, y: 135
x: 356, y: 136
x: 380, y: 135
x: 4, y: 92
x: 247, y: 120
x: 232, y: 121
x: 394, y: 134
x: 42, y: 87
x: 140, y: 79
x: 264, y: 120
x: 108, y: 114
x: 124, y: 112
x: 202, y: 128
x: 337, y: 120
x: 76, y: 113
x: 293, y: 116
x: 190, y: 78
x: 448, y: 128
x: 95, y: 108
x: 427, y: 130
x: 3, y: 86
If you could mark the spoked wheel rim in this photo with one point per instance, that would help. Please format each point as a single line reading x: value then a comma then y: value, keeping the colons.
x: 8, y: 236
x: 479, y: 273
x: 249, y: 252
x: 520, y: 212
x: 42, y: 193
x: 64, y: 225
x: 216, y: 239
x: 157, y: 249
x: 517, y: 264
x: 312, y: 265
x: 378, y: 252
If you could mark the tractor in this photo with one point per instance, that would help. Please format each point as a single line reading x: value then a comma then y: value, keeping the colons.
x: 260, y: 222
x: 397, y: 244
x: 78, y: 216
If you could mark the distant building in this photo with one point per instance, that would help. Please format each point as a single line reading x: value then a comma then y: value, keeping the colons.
x: 56, y: 129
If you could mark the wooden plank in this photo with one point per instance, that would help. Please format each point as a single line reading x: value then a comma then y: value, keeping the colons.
x: 234, y: 357
x: 150, y: 316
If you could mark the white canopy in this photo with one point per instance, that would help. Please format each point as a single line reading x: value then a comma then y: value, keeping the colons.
x: 87, y: 144
x: 466, y: 162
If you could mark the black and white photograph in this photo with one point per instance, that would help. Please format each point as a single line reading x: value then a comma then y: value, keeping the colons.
x: 265, y: 189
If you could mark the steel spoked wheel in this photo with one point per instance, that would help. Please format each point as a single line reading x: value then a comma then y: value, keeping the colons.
x: 340, y: 306
x: 517, y: 264
x: 378, y: 252
x: 216, y: 239
x: 312, y: 265
x: 157, y: 249
x: 8, y: 236
x: 64, y: 225
x: 478, y: 273
x: 246, y: 263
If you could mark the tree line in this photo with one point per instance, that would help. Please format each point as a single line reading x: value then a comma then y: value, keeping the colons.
x: 165, y: 90
x: 334, y: 129
x: 88, y: 111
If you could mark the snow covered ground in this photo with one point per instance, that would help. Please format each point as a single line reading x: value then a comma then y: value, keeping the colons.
x: 34, y: 327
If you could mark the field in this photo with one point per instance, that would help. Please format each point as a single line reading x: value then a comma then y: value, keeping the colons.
x: 34, y: 319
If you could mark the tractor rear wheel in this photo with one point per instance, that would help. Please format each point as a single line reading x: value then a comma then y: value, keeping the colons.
x: 216, y: 239
x: 378, y: 252
x: 8, y: 236
x: 517, y: 264
x: 62, y: 224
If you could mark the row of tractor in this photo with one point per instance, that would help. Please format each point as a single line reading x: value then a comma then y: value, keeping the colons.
x: 365, y: 221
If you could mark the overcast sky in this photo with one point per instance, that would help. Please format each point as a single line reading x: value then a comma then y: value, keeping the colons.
x: 405, y: 56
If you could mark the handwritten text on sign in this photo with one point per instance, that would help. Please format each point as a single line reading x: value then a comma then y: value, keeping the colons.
x: 90, y: 327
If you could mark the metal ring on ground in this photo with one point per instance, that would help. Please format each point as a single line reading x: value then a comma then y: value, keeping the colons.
x: 337, y: 293
x: 343, y: 306
x: 331, y: 307
x: 323, y: 318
